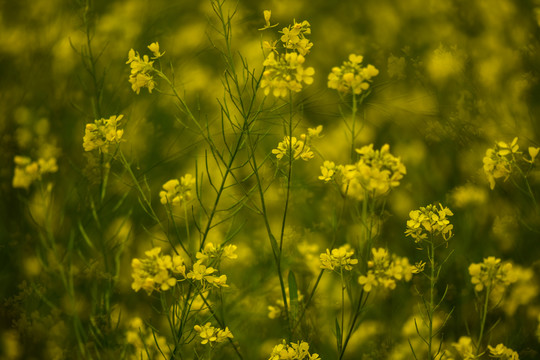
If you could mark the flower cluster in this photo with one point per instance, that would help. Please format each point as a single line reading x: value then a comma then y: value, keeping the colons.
x: 338, y: 258
x: 102, y: 133
x: 206, y: 275
x: 351, y: 76
x: 142, y: 69
x: 502, y: 352
x: 28, y: 171
x: 284, y: 73
x: 294, y: 37
x: 211, y: 335
x: 375, y: 173
x: 300, y: 148
x: 464, y: 347
x: 385, y: 270
x: 210, y: 251
x: 147, y: 344
x: 155, y: 272
x: 502, y: 159
x: 492, y: 274
x: 429, y: 220
x: 176, y: 192
x: 292, y: 351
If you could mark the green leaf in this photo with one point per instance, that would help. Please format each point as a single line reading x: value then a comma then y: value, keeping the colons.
x: 338, y: 335
x: 293, y: 295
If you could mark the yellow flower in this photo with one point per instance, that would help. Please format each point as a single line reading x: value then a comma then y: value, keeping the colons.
x: 154, y: 48
x: 102, y: 133
x: 176, y: 192
x: 492, y: 274
x: 211, y: 335
x: 338, y: 258
x: 429, y: 220
x: 502, y: 352
x: 28, y: 171
x: 299, y: 149
x: 154, y: 272
x: 351, y: 76
x: 142, y: 69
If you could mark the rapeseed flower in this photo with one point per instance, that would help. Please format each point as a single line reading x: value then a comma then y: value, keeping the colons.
x: 296, y: 351
x: 176, y: 192
x: 102, y: 133
x: 28, y: 171
x: 492, y: 274
x: 385, y: 269
x: 155, y: 272
x: 142, y: 69
x: 351, y: 77
x: 502, y: 352
x: 375, y: 173
x: 338, y: 258
x: 211, y: 335
x: 429, y: 220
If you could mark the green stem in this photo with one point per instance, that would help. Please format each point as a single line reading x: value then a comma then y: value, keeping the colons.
x: 483, y: 319
x: 353, y: 126
x: 432, y: 279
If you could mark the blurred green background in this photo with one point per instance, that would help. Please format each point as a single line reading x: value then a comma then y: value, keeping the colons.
x: 455, y: 76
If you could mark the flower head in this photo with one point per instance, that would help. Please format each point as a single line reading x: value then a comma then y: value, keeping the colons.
x: 430, y: 220
x: 338, y: 258
x: 492, y: 274
x: 176, y: 192
x: 102, y: 133
x: 351, y: 77
x: 155, y: 272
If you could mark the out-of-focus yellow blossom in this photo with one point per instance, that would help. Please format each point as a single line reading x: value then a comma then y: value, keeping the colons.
x: 141, y: 70
x: 28, y: 171
x: 351, y: 76
x: 154, y: 48
x: 468, y: 195
x: 384, y: 269
x: 339, y: 258
x: 444, y: 64
x: 522, y: 292
x: 429, y: 220
x: 267, y: 15
x: 285, y: 74
x: 102, y: 133
x: 155, y: 272
x: 10, y: 345
x: 396, y: 67
x: 538, y: 329
x: 375, y: 173
x: 465, y: 348
x: 146, y: 344
x: 502, y: 352
x: 278, y: 309
x: 211, y: 335
x: 298, y: 350
x: 176, y: 192
x: 492, y: 274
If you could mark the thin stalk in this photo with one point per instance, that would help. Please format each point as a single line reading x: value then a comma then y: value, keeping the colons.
x: 431, y: 256
x: 483, y: 319
x: 353, y: 126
